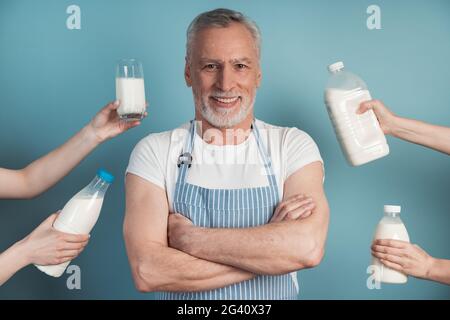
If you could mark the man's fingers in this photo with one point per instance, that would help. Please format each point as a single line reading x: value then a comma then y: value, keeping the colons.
x: 289, y: 205
x: 300, y: 211
x: 177, y: 216
x: 294, y: 210
x: 286, y: 202
x: 296, y: 214
x: 295, y: 206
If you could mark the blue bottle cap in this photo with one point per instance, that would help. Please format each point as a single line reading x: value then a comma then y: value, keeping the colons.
x: 105, y: 175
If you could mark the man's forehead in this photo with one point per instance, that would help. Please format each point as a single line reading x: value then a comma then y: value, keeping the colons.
x: 212, y: 36
x: 238, y: 59
x: 226, y: 50
x: 233, y: 27
x: 231, y: 43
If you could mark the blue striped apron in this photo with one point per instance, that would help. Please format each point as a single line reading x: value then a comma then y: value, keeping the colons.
x: 231, y: 208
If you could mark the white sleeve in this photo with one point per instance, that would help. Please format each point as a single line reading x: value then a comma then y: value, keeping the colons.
x: 145, y: 161
x: 300, y: 150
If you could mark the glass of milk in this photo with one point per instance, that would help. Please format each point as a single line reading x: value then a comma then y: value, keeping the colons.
x: 130, y: 89
x: 390, y: 227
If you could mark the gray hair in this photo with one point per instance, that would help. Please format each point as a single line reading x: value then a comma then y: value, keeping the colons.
x: 221, y: 18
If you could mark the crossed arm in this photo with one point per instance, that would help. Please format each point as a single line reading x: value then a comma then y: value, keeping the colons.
x: 205, y: 258
x: 154, y: 265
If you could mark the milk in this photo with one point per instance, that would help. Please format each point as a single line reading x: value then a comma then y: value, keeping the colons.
x: 131, y: 94
x: 390, y: 227
x: 359, y: 135
x: 80, y: 214
x: 78, y: 217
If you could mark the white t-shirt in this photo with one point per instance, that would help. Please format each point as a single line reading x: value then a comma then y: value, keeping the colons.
x: 155, y: 158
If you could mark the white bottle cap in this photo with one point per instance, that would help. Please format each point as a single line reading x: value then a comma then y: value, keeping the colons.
x: 336, y: 66
x: 393, y: 209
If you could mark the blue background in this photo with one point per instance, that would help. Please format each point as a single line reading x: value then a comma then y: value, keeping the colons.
x: 53, y: 80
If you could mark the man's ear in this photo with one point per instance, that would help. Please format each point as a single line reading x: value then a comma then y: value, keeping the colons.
x: 258, y: 78
x: 187, y: 72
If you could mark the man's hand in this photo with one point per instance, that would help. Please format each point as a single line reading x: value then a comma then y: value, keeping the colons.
x: 106, y: 124
x: 295, y: 207
x: 403, y: 256
x: 179, y: 230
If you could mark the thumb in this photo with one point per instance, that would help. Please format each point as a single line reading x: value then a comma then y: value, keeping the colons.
x: 113, y: 105
x: 363, y: 107
x: 52, y: 218
x: 131, y: 124
x: 48, y: 222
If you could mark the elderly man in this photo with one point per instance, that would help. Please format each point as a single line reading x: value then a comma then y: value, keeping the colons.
x: 204, y: 218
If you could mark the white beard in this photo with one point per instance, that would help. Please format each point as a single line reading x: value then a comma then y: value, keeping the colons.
x: 219, y: 117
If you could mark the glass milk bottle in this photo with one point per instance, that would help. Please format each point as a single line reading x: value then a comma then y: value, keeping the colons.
x: 390, y: 227
x: 130, y: 90
x: 80, y: 214
x: 359, y: 135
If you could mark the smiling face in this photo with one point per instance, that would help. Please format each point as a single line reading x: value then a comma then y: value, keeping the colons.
x: 224, y: 73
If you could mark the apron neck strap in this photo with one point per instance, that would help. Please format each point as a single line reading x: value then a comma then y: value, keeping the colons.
x: 185, y: 159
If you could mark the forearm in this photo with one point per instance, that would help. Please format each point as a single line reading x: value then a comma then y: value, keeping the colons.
x: 274, y: 248
x: 49, y: 169
x: 440, y: 271
x: 11, y: 261
x: 428, y: 135
x: 173, y: 270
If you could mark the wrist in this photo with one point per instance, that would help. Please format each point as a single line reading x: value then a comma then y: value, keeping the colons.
x: 392, y: 125
x: 90, y: 135
x: 190, y: 243
x: 21, y: 253
x: 431, y: 267
x: 398, y: 126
